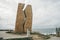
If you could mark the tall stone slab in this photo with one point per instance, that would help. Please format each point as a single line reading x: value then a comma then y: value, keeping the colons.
x: 28, y: 20
x: 19, y: 19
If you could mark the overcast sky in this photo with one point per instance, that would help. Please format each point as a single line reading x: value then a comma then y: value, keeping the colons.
x: 46, y: 13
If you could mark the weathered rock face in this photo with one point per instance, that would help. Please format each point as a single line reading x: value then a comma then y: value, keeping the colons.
x: 24, y: 19
x: 19, y: 19
x: 28, y: 15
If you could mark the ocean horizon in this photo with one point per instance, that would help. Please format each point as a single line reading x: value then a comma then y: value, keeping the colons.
x: 46, y: 31
x: 40, y: 30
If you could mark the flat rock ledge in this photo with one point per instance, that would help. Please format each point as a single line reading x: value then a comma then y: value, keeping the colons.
x: 26, y: 38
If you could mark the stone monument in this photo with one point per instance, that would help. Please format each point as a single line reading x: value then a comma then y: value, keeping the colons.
x: 28, y: 14
x: 23, y: 19
x: 19, y: 18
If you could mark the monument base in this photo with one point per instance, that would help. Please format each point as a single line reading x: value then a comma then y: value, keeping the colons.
x: 5, y: 35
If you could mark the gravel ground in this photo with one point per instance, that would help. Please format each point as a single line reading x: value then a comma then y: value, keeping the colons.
x: 36, y: 37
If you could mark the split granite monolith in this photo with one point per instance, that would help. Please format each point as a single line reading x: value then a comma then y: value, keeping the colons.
x: 23, y: 19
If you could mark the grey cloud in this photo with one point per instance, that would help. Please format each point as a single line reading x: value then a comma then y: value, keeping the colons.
x: 46, y: 13
x: 7, y: 14
x: 49, y: 13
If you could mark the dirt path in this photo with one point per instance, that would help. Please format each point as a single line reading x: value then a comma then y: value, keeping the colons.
x: 54, y: 38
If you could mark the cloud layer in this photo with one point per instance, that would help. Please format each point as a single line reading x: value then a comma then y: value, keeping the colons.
x: 46, y: 13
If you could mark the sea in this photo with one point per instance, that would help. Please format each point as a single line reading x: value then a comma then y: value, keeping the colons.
x: 46, y: 31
